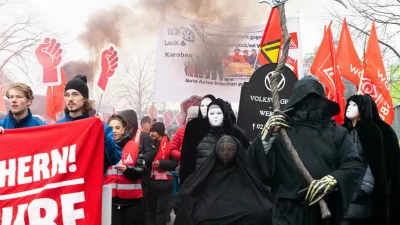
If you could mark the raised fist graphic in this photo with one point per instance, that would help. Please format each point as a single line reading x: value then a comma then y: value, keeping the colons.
x: 109, y: 63
x: 168, y: 118
x: 49, y: 56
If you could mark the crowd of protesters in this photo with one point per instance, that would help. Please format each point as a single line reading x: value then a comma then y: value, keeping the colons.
x: 225, y: 178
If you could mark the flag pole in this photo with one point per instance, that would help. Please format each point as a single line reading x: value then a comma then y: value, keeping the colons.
x: 256, y: 61
x: 98, y: 107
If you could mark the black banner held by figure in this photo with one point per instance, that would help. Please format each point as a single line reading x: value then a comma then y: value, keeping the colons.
x: 256, y: 105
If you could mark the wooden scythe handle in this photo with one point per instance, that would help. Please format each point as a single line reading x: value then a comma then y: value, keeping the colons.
x: 275, y: 95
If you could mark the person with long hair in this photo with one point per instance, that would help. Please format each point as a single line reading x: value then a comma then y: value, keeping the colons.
x: 127, y: 204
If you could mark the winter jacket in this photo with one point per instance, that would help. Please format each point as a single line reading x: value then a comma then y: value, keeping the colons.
x: 112, y: 150
x: 206, y: 147
x: 169, y: 164
x: 29, y: 121
x: 176, y: 144
x: 373, y: 156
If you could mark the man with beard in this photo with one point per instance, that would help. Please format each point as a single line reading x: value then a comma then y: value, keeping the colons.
x: 325, y: 150
x: 78, y: 106
x: 20, y: 97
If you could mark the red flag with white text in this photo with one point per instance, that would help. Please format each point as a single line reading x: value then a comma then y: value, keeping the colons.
x: 46, y: 180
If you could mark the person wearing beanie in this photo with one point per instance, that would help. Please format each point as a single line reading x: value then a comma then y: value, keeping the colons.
x: 161, y: 184
x: 20, y: 97
x: 78, y: 106
x: 147, y: 151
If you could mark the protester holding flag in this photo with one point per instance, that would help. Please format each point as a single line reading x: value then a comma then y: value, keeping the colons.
x: 392, y: 156
x: 127, y: 204
x: 325, y: 149
x: 78, y: 106
x: 161, y: 176
x: 20, y: 97
x: 370, y: 201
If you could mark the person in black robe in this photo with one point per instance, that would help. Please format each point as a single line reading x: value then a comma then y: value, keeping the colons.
x: 325, y: 149
x: 369, y: 205
x: 223, y: 191
x: 196, y: 129
x: 392, y: 156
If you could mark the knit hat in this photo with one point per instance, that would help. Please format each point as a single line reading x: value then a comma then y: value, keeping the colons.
x: 159, y: 128
x: 79, y: 83
x: 192, y: 112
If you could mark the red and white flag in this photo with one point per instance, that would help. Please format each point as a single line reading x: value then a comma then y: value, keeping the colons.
x: 46, y: 180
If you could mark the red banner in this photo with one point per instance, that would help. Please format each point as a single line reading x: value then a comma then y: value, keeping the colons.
x: 52, y: 174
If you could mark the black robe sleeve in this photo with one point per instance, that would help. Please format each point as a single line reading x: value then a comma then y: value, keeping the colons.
x: 148, y: 151
x: 350, y: 169
x: 168, y: 165
x: 261, y: 164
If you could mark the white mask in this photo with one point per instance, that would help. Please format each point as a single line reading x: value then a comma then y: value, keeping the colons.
x: 204, y: 105
x: 215, y: 116
x: 352, y: 110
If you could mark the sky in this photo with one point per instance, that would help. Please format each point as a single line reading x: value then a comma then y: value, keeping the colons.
x: 66, y: 19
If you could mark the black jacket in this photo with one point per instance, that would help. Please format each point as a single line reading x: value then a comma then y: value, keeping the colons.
x: 392, y: 156
x: 206, y: 146
x: 372, y: 147
x: 169, y: 164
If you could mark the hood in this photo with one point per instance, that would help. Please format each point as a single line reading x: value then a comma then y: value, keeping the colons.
x: 374, y: 109
x: 131, y: 117
x: 199, y: 115
x: 225, y: 107
x: 364, y: 104
x: 306, y: 86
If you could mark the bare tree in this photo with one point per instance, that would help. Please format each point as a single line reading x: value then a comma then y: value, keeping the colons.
x: 17, y: 36
x: 135, y: 89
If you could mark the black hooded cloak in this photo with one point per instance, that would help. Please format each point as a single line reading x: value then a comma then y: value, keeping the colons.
x: 195, y: 130
x: 323, y: 147
x: 218, y: 194
x: 372, y: 155
x: 392, y: 158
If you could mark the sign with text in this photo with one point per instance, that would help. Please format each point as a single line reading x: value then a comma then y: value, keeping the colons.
x: 52, y: 174
x: 256, y: 105
x: 197, y: 58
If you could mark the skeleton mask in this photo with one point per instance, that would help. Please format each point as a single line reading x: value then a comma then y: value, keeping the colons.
x: 203, y: 106
x: 352, y: 110
x: 226, y: 150
x: 215, y: 116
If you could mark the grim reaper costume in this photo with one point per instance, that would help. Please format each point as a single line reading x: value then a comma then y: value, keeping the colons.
x: 223, y: 191
x: 325, y: 149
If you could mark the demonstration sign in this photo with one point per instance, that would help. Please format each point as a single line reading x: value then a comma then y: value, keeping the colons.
x: 52, y: 174
x: 256, y: 105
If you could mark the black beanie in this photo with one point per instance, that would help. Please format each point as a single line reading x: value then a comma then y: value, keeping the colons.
x: 79, y: 83
x: 159, y: 128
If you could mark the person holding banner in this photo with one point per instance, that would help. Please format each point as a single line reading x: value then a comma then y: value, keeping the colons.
x: 78, y: 106
x: 20, y: 97
x: 392, y: 156
x: 127, y: 204
x: 369, y: 203
x: 161, y: 176
x: 324, y: 148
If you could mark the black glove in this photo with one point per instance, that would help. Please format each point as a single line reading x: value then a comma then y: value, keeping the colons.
x: 319, y: 188
x: 140, y: 162
x: 279, y: 119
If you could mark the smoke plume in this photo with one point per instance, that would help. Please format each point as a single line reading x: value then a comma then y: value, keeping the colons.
x: 73, y: 68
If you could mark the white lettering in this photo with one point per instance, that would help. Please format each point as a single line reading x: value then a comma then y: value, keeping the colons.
x: 40, y: 166
x: 22, y: 169
x: 356, y: 71
x: 6, y: 215
x: 69, y: 214
x: 34, y: 212
x: 59, y: 162
x: 9, y: 173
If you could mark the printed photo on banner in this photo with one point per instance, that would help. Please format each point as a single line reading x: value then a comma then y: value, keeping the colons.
x: 199, y: 58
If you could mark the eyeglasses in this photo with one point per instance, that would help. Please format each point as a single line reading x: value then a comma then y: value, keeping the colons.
x: 73, y: 95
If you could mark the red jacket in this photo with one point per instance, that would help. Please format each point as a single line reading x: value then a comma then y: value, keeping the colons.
x: 176, y: 144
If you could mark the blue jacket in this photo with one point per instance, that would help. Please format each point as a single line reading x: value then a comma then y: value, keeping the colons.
x: 29, y: 121
x: 113, y: 151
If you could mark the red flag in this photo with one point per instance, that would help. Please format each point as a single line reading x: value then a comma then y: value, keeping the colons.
x: 324, y: 67
x: 58, y: 94
x: 55, y: 187
x: 2, y: 103
x: 271, y: 40
x: 375, y: 79
x: 350, y: 65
